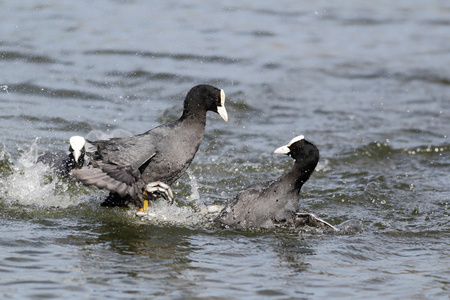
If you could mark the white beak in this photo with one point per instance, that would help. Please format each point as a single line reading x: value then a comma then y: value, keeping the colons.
x: 77, y: 143
x: 76, y: 154
x: 282, y: 150
x: 221, y: 109
x: 285, y: 149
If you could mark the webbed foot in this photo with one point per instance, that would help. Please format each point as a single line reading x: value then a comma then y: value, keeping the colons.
x: 312, y: 220
x: 154, y: 190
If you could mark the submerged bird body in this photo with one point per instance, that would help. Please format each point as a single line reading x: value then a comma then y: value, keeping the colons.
x: 273, y: 203
x: 125, y: 165
x: 64, y: 163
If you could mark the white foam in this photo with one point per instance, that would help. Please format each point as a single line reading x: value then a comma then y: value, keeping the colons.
x: 162, y: 212
x: 195, y: 213
x: 36, y: 184
x: 195, y: 195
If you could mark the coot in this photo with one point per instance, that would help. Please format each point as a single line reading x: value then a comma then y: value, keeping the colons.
x: 64, y: 163
x: 276, y: 203
x: 144, y: 166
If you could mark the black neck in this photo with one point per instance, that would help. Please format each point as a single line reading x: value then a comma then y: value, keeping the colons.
x: 300, y: 173
x: 197, y: 116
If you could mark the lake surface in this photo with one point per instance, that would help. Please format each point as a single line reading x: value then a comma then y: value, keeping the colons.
x: 368, y: 83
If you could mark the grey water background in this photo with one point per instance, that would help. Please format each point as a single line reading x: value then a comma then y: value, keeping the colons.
x: 367, y: 82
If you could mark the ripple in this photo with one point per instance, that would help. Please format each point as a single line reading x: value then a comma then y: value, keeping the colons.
x: 13, y: 55
x: 367, y: 21
x: 424, y: 75
x: 132, y: 78
x: 174, y: 56
x: 32, y: 89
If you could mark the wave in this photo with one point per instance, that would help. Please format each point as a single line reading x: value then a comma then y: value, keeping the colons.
x: 174, y: 56
x: 13, y: 55
x: 378, y: 150
x: 425, y: 75
x: 28, y: 187
x: 27, y: 183
x: 35, y: 90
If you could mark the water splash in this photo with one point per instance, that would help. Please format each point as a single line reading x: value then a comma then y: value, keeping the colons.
x: 195, y: 195
x: 5, y: 163
x: 162, y: 213
x: 35, y: 184
x: 189, y: 212
x: 351, y: 227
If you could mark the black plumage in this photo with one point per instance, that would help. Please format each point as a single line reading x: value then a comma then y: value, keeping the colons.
x: 273, y: 203
x: 126, y: 165
x: 63, y: 163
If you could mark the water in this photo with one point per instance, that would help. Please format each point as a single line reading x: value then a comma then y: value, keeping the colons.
x: 368, y: 83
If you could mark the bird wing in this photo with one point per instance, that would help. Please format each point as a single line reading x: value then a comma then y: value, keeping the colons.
x: 131, y: 151
x: 116, y: 165
x: 119, y: 179
x: 97, y: 177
